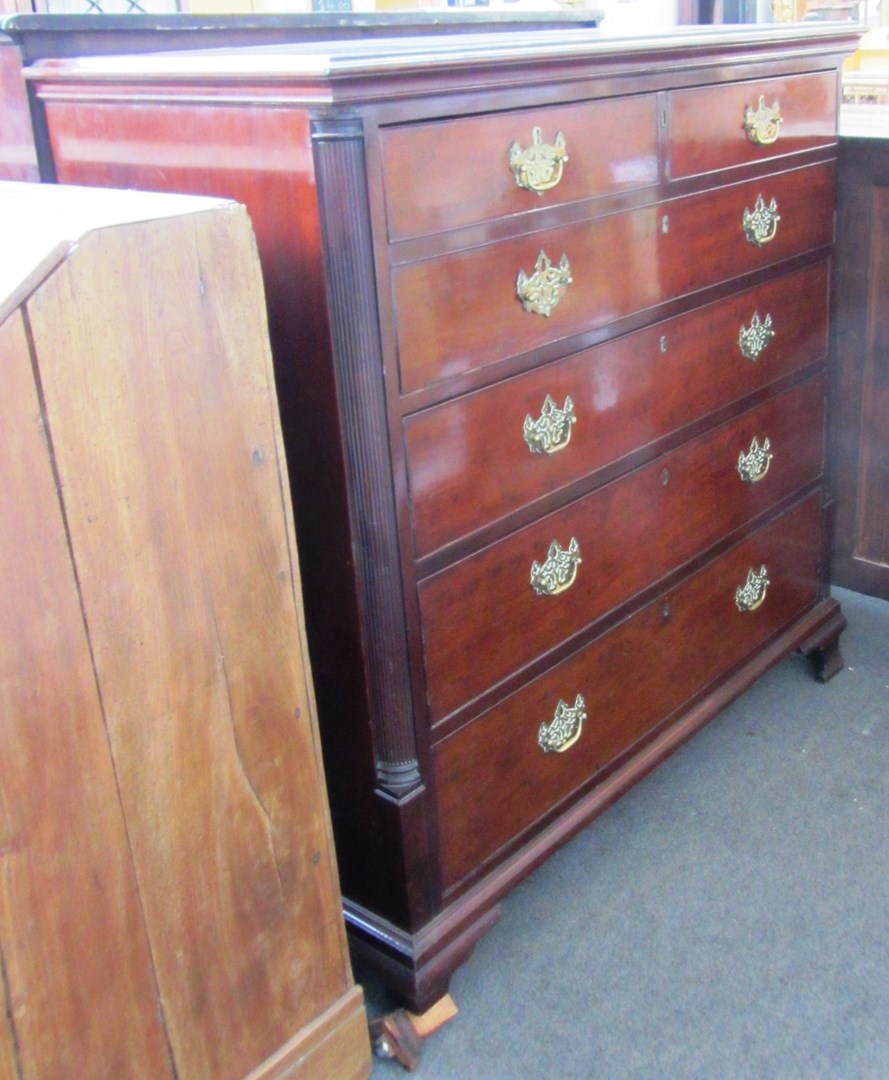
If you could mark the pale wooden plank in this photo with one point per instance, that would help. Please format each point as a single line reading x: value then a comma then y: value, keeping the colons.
x: 82, y: 1000
x: 161, y: 405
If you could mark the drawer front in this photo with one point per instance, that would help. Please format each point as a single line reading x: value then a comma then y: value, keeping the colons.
x: 520, y: 597
x: 493, y: 778
x: 462, y: 311
x: 480, y: 457
x: 715, y: 127
x: 441, y: 175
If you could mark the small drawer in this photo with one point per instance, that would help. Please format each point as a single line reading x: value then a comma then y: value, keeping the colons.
x: 520, y: 597
x: 445, y: 174
x: 466, y: 310
x: 716, y: 127
x: 498, y: 775
x: 480, y: 457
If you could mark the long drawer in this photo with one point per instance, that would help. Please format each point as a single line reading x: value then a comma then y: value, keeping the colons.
x: 462, y: 311
x: 715, y: 127
x: 441, y: 175
x: 480, y: 457
x: 494, y: 612
x: 502, y: 772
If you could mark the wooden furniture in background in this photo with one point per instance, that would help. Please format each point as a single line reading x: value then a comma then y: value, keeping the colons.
x: 504, y: 639
x: 860, y: 416
x: 18, y: 155
x: 169, y: 903
x: 39, y: 36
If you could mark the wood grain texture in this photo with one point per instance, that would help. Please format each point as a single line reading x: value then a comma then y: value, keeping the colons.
x: 77, y: 969
x: 169, y: 901
x: 707, y: 124
x: 701, y: 244
x: 467, y: 460
x: 493, y: 779
x: 454, y: 172
x: 858, y: 462
x: 438, y: 318
x: 872, y: 542
x: 333, y: 1044
x: 166, y: 447
x: 630, y: 534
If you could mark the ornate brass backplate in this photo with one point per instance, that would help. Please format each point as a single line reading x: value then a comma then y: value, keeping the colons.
x: 753, y: 339
x: 542, y: 291
x: 753, y: 465
x: 551, y: 431
x: 749, y: 596
x: 558, y: 572
x: 540, y: 167
x: 761, y: 223
x: 763, y: 122
x: 564, y: 729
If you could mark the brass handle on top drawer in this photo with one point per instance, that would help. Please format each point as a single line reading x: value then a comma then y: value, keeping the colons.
x: 753, y: 466
x: 761, y: 223
x: 541, y: 292
x: 750, y: 595
x: 762, y: 123
x: 540, y: 167
x: 551, y: 431
x: 564, y: 728
x: 558, y: 572
x: 753, y: 339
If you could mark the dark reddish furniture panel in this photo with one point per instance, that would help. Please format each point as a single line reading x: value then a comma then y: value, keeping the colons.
x: 859, y: 444
x: 630, y: 534
x: 707, y: 125
x: 492, y: 778
x: 675, y: 248
x: 454, y: 172
x: 468, y: 461
x: 378, y: 333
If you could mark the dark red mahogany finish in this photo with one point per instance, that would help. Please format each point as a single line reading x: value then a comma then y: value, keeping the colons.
x: 859, y: 457
x: 406, y: 366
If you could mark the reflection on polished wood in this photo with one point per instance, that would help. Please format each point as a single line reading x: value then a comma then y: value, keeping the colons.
x: 406, y: 368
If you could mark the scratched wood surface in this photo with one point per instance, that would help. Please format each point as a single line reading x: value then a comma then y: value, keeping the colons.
x: 151, y: 347
x: 81, y: 999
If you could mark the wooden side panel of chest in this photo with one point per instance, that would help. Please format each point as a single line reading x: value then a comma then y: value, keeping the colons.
x: 443, y: 344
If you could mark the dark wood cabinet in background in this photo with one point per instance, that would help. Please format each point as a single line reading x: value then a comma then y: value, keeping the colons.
x: 550, y: 319
x: 860, y: 415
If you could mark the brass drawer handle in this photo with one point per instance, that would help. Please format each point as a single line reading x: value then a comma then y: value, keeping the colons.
x: 753, y: 339
x: 761, y: 223
x: 762, y: 123
x: 540, y: 167
x: 551, y: 431
x: 564, y: 729
x: 541, y: 292
x: 749, y: 596
x: 753, y: 466
x: 558, y: 572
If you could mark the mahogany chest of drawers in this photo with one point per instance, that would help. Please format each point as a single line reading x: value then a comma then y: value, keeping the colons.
x: 550, y: 320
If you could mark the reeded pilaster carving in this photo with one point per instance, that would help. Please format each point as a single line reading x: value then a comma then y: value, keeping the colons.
x: 348, y: 252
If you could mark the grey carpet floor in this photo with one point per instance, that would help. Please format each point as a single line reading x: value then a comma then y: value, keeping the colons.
x: 729, y: 917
